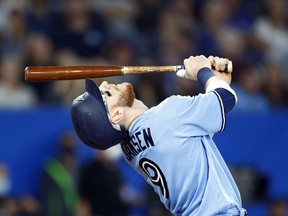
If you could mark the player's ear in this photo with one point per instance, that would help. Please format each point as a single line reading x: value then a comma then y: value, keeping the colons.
x: 117, y: 115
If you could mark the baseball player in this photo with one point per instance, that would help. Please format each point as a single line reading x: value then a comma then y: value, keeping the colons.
x: 170, y: 144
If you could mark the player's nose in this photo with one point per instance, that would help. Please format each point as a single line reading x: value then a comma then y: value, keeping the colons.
x: 103, y: 84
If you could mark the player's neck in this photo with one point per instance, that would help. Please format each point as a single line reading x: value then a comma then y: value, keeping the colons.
x: 139, y: 105
x: 132, y: 113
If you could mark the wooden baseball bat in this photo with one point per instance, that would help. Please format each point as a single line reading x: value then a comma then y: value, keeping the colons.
x: 52, y: 73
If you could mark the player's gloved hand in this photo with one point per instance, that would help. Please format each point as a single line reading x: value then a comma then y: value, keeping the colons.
x: 192, y: 65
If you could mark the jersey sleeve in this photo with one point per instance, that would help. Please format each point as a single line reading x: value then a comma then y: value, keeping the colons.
x: 200, y: 115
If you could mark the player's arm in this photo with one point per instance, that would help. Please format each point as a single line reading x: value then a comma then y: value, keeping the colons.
x: 219, y: 82
x: 199, y: 68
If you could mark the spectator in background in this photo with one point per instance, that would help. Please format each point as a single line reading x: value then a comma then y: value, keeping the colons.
x: 272, y: 30
x: 176, y: 31
x: 8, y: 206
x: 232, y: 44
x: 6, y: 6
x: 15, y: 35
x: 176, y: 34
x: 100, y: 186
x: 119, y: 16
x: 5, y: 181
x: 213, y: 18
x: 40, y: 52
x: 77, y: 28
x: 239, y: 15
x: 59, y: 195
x: 146, y: 22
x: 5, y: 185
x: 28, y: 206
x: 274, y: 85
x: 278, y: 207
x: 39, y: 16
x: 121, y: 51
x: 14, y: 94
x: 249, y: 92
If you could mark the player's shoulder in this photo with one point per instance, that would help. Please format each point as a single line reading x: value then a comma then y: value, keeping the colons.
x: 187, y: 97
x: 168, y: 102
x: 175, y: 100
x: 170, y: 99
x: 181, y: 98
x: 178, y: 99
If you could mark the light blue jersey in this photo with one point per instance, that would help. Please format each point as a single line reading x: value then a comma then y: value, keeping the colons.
x: 171, y: 148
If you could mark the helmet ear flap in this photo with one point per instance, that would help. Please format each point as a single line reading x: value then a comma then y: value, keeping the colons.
x: 91, y: 122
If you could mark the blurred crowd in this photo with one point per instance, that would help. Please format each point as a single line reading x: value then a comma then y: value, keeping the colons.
x: 253, y: 34
x: 101, y: 185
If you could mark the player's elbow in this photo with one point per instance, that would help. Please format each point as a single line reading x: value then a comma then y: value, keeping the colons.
x: 228, y: 98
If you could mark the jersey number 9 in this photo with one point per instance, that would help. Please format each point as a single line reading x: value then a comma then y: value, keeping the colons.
x: 155, y: 174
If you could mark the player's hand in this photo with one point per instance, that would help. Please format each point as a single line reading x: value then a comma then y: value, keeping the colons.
x: 193, y: 64
x: 218, y: 64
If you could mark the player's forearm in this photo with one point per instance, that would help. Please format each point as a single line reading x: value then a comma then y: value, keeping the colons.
x: 212, y: 80
x: 217, y: 78
x: 216, y: 82
x: 220, y: 86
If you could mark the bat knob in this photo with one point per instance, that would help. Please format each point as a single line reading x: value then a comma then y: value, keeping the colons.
x: 181, y: 73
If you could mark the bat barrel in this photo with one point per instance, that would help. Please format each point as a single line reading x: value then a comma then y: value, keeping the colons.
x: 50, y: 73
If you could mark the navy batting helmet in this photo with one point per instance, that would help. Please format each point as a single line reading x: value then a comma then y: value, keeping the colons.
x: 91, y: 122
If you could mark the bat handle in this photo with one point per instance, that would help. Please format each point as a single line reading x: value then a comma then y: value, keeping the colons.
x: 180, y: 70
